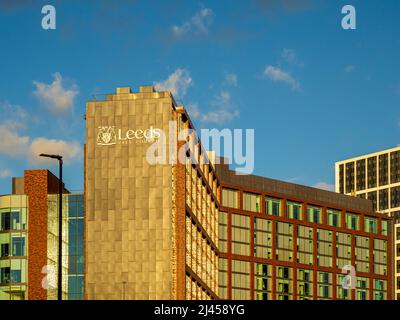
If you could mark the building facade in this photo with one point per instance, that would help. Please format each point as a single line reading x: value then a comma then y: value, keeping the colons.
x: 376, y: 176
x: 29, y: 240
x: 159, y: 219
x: 281, y: 241
x: 138, y: 205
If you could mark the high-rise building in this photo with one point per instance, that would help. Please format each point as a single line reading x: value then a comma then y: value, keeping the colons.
x: 151, y: 221
x: 376, y: 176
x: 282, y: 241
x: 29, y: 240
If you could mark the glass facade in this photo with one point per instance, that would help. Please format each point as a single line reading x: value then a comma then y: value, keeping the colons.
x: 75, y: 247
x: 13, y: 246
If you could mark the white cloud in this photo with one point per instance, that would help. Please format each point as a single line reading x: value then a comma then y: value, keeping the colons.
x: 222, y: 112
x: 278, y: 75
x: 290, y: 56
x: 197, y: 24
x: 178, y: 82
x: 223, y: 99
x: 4, y: 173
x: 220, y: 116
x: 70, y: 150
x: 16, y: 116
x: 231, y: 79
x: 11, y: 143
x: 349, y: 68
x: 57, y: 98
x: 324, y: 186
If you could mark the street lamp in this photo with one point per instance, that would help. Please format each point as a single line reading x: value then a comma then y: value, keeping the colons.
x: 60, y: 193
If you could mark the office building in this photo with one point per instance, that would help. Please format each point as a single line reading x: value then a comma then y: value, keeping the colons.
x: 376, y: 176
x: 29, y: 240
x: 150, y: 228
x: 282, y: 241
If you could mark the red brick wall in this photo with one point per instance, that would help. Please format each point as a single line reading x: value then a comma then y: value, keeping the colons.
x: 36, y: 188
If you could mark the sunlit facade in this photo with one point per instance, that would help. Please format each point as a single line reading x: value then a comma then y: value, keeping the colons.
x: 13, y: 242
x: 151, y: 229
x: 281, y: 241
x: 376, y: 176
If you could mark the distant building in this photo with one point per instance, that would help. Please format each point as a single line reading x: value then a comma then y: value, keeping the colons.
x: 376, y: 176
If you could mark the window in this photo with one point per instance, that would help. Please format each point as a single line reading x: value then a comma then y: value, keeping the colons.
x: 334, y: 217
x: 5, y: 221
x: 395, y: 167
x: 251, y: 202
x: 230, y: 198
x: 314, y: 214
x: 75, y: 287
x: 373, y: 197
x: 273, y: 206
x: 341, y: 178
x: 349, y: 177
x: 18, y: 246
x: 383, y: 199
x: 395, y: 197
x: 15, y: 276
x: 360, y: 174
x: 240, y: 234
x: 324, y: 291
x: 11, y: 221
x: 371, y: 173
x: 324, y: 277
x: 5, y: 247
x: 384, y: 225
x: 294, y: 210
x: 352, y: 221
x: 5, y: 275
x: 383, y: 169
x: 370, y: 225
x: 361, y: 295
x: 263, y: 281
x: 379, y: 284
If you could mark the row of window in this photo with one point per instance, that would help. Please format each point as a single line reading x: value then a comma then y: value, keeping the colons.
x: 369, y: 173
x: 380, y: 199
x: 294, y: 210
x: 285, y: 286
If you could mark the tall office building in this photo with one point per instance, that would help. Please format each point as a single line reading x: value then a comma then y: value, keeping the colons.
x: 29, y: 240
x: 376, y: 176
x: 150, y: 228
x: 282, y: 241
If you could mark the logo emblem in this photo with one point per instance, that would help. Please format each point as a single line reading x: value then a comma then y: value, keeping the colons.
x: 106, y: 136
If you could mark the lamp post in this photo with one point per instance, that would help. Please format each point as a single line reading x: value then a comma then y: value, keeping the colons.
x: 60, y: 193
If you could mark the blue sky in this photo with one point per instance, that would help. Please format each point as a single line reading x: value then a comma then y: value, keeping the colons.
x: 313, y: 92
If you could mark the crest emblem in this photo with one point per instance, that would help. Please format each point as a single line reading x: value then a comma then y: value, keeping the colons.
x: 106, y: 136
